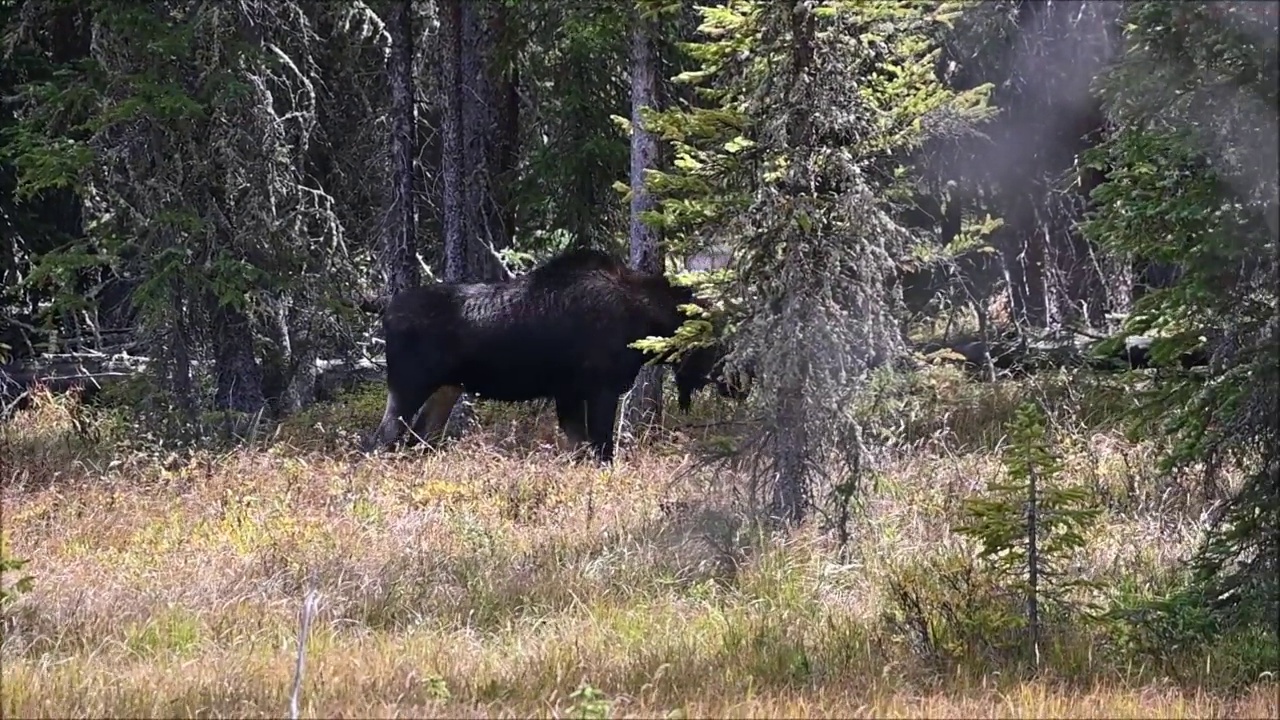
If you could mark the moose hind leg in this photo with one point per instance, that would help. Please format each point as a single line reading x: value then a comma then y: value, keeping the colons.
x: 430, y: 423
x: 395, y: 419
x: 602, y: 411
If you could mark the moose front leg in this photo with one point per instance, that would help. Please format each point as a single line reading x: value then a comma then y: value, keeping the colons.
x: 602, y: 411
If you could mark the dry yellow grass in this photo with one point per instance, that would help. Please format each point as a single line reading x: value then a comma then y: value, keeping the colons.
x: 496, y: 579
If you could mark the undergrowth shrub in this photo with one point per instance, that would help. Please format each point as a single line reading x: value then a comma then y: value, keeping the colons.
x: 1164, y: 624
x: 952, y: 613
x: 13, y: 580
x: 335, y: 424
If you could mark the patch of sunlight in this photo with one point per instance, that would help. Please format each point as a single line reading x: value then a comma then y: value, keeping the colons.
x: 782, y: 579
x: 173, y: 532
x: 174, y: 630
x: 367, y: 513
x: 440, y: 491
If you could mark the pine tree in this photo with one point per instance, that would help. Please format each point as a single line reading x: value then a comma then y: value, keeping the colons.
x: 1029, y: 525
x: 1192, y: 182
x: 798, y: 176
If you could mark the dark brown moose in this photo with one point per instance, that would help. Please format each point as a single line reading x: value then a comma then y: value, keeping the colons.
x: 560, y: 331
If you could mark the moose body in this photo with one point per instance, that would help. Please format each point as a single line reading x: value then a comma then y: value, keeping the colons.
x: 561, y: 331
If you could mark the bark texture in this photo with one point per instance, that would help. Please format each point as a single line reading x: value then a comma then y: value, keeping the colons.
x: 399, y: 234
x: 791, y: 496
x: 239, y: 377
x: 480, y: 128
x: 644, y: 409
x: 451, y: 161
x: 478, y: 122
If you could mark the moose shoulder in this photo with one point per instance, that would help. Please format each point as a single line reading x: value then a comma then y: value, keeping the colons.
x: 561, y: 331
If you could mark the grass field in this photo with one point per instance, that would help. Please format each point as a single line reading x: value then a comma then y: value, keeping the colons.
x: 495, y: 578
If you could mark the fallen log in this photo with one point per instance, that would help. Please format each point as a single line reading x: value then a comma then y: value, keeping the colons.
x: 90, y: 373
x: 1014, y: 355
x: 334, y: 377
x: 59, y: 374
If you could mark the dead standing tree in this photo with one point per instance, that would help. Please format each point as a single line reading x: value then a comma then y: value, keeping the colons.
x: 478, y: 142
x: 399, y: 230
x: 644, y: 405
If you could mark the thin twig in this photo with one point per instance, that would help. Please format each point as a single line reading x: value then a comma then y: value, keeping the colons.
x: 10, y: 408
x: 308, y: 610
x: 718, y: 423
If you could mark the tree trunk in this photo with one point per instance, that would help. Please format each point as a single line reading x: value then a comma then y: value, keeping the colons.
x: 508, y: 122
x: 451, y: 160
x: 476, y: 151
x: 644, y: 408
x: 1021, y: 264
x: 237, y: 373
x: 300, y: 389
x: 482, y: 142
x: 178, y: 350
x: 399, y: 235
x: 791, y: 485
x: 475, y: 145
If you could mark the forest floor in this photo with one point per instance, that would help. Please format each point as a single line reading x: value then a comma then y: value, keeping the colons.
x: 494, y: 578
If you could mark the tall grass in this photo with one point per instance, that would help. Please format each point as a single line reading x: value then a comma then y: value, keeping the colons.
x: 496, y: 578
